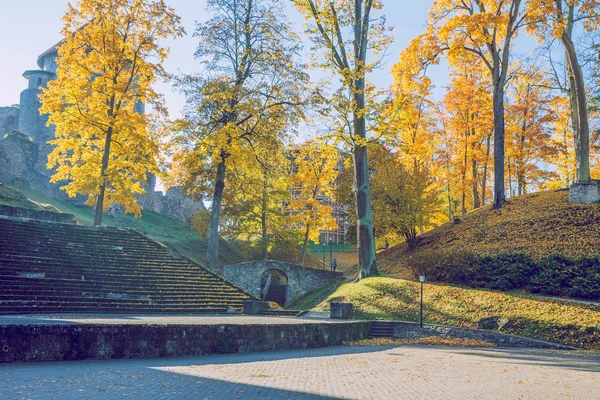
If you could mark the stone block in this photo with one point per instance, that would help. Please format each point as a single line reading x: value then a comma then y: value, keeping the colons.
x: 340, y: 310
x: 254, y: 307
x: 585, y: 193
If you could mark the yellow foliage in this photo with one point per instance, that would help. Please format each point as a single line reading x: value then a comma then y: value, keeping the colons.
x: 313, y: 181
x: 109, y: 59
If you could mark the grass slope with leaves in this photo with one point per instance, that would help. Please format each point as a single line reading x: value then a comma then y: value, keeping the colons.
x: 538, y: 224
x: 396, y: 299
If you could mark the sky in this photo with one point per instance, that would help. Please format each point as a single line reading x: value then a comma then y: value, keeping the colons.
x: 29, y: 27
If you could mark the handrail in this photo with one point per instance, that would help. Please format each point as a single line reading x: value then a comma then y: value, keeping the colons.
x: 266, y: 288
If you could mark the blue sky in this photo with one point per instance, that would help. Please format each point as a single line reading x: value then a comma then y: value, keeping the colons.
x: 29, y: 27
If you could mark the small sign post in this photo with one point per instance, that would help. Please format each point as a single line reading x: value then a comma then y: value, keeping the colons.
x: 422, y: 280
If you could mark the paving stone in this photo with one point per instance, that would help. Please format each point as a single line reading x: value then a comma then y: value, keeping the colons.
x: 408, y: 372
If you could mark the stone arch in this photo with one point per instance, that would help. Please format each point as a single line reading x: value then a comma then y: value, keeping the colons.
x: 273, y: 286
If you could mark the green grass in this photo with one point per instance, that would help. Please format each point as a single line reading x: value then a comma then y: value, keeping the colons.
x: 396, y: 299
x: 11, y: 197
x: 313, y: 299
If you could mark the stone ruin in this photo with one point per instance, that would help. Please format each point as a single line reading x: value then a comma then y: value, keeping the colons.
x: 24, y: 148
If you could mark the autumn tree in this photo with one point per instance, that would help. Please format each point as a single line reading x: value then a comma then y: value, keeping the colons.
x: 253, y: 206
x: 468, y: 133
x: 530, y: 128
x: 404, y: 199
x: 313, y: 179
x: 110, y: 57
x: 558, y: 19
x: 485, y: 28
x: 348, y: 33
x: 248, y: 96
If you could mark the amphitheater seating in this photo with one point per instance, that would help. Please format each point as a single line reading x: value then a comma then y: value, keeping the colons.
x: 48, y: 267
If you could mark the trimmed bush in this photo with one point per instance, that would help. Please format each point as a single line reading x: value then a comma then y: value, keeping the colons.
x: 554, y: 275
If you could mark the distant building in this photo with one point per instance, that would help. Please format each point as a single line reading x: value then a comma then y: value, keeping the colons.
x: 340, y: 213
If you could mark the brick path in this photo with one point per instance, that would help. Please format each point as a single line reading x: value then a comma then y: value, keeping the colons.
x: 408, y: 372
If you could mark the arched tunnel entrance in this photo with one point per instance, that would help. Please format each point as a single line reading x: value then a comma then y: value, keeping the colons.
x: 274, y: 286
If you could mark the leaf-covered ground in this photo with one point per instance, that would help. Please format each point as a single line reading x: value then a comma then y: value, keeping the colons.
x: 537, y: 224
x: 396, y: 299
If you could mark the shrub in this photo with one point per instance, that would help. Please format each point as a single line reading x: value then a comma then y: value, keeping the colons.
x: 555, y: 275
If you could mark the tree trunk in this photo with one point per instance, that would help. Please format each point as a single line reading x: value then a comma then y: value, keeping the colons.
x: 463, y: 178
x: 485, y: 171
x: 476, y: 203
x: 305, y: 244
x: 263, y: 219
x: 365, y: 240
x: 579, y: 112
x: 410, y: 235
x: 105, y: 157
x: 498, y: 107
x: 212, y: 251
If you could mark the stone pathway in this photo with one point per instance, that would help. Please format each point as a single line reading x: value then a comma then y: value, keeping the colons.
x: 409, y: 372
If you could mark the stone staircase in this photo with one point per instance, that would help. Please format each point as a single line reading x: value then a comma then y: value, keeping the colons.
x: 381, y: 329
x: 48, y: 267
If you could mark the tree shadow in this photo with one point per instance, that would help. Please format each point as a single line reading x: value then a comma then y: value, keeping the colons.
x: 180, y: 377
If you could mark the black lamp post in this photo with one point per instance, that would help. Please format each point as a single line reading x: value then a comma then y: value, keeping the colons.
x: 331, y: 252
x: 422, y: 280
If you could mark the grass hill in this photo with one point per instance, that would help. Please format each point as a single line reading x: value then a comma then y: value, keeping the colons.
x: 536, y: 224
x: 537, y: 242
x: 525, y: 315
x: 173, y: 233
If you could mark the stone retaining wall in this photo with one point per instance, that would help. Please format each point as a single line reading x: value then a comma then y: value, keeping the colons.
x: 22, y: 343
x: 411, y: 330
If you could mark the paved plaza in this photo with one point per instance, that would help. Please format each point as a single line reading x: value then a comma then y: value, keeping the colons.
x: 407, y: 372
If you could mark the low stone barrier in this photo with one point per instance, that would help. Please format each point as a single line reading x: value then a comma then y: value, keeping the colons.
x: 411, y: 330
x: 21, y: 343
x: 340, y: 310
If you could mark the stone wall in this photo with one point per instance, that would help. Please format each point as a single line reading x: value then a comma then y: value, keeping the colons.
x: 49, y: 342
x: 411, y: 330
x: 18, y: 158
x: 9, y: 117
x: 301, y: 280
x: 174, y: 204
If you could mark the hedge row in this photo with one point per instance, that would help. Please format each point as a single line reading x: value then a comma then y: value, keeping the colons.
x: 554, y: 275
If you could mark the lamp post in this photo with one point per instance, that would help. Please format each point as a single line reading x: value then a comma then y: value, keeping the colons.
x: 422, y: 280
x: 324, y: 251
x: 331, y: 252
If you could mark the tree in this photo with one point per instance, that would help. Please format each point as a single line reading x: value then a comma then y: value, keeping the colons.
x: 557, y: 19
x: 467, y: 132
x: 249, y: 95
x: 403, y: 199
x: 313, y: 181
x: 253, y: 205
x: 531, y: 121
x: 110, y: 56
x: 485, y: 28
x: 330, y: 22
